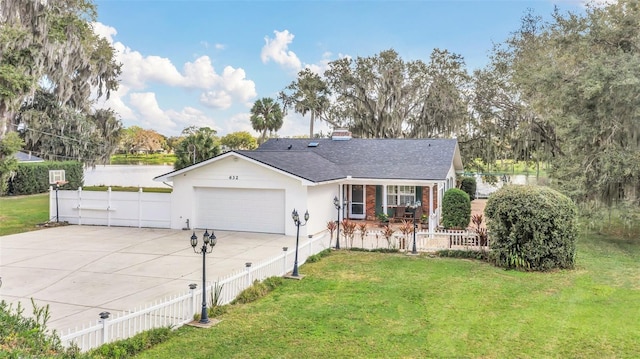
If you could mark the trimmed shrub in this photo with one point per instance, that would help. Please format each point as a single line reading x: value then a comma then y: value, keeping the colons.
x: 33, y: 178
x: 468, y: 185
x: 129, y: 347
x: 531, y: 228
x: 316, y: 257
x: 456, y: 209
x: 454, y: 253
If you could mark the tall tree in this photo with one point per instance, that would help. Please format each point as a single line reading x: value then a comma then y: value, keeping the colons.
x: 383, y: 96
x: 266, y: 116
x: 9, y: 145
x: 581, y: 73
x: 443, y: 98
x: 52, y: 44
x: 241, y: 140
x: 308, y: 94
x: 58, y: 132
x: 135, y: 139
x: 198, y: 144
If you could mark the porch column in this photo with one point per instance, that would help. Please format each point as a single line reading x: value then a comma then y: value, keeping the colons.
x: 430, y: 201
x: 384, y: 198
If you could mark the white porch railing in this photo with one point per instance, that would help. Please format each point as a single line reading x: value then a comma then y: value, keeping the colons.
x: 426, y: 241
x: 178, y: 310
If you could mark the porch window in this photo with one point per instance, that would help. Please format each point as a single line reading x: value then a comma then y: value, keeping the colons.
x: 400, y: 195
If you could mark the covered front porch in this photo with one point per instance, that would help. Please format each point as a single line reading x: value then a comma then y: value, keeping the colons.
x: 367, y: 199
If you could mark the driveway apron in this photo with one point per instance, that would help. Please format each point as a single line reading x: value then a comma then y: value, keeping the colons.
x: 80, y: 271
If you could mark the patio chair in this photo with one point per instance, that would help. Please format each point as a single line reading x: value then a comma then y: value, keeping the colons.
x: 399, y: 213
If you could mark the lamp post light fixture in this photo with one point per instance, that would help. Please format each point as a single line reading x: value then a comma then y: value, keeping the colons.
x: 208, y: 242
x: 336, y: 203
x: 298, y: 223
x: 414, y: 208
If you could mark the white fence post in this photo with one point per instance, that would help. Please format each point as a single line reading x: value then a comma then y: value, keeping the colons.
x: 284, y: 260
x: 192, y: 288
x: 52, y: 199
x: 139, y: 207
x: 109, y: 207
x: 248, y: 268
x: 104, y: 316
x: 79, y: 206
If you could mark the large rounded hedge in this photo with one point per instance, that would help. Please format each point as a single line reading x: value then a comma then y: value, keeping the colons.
x: 456, y: 209
x: 532, y: 228
x: 469, y: 185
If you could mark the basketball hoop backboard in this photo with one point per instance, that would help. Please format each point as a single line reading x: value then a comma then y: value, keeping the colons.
x: 56, y: 177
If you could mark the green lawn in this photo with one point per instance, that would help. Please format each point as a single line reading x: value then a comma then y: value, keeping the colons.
x: 366, y: 305
x: 22, y: 213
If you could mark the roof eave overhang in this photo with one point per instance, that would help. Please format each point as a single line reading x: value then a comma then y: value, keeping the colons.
x: 386, y: 181
x: 169, y: 176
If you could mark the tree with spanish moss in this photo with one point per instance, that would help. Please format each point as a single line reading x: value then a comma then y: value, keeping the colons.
x: 50, y: 47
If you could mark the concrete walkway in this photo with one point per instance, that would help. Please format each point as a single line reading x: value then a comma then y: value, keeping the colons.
x: 80, y: 271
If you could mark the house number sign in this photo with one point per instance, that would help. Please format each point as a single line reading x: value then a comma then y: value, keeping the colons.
x: 233, y: 178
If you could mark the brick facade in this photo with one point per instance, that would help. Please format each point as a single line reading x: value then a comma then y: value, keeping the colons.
x: 435, y: 196
x: 370, y: 209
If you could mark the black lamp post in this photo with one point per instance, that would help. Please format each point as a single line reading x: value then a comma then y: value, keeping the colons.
x: 298, y: 223
x: 206, y: 241
x: 414, y: 208
x: 336, y: 203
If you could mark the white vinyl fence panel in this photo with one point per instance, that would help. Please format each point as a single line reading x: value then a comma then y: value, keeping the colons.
x: 111, y: 208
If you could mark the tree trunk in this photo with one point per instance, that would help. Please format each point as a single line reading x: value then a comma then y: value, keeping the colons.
x: 313, y: 118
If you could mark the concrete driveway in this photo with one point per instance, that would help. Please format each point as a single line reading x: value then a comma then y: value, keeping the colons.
x: 80, y: 271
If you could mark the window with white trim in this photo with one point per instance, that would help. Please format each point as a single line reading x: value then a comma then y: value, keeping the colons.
x: 400, y: 195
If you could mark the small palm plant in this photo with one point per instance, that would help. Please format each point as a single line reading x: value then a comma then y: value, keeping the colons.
x: 362, y: 227
x: 349, y: 230
x: 331, y: 226
x: 387, y: 232
x: 406, y: 228
x: 481, y: 232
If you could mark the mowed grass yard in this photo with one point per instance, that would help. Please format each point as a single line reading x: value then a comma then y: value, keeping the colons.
x: 371, y: 305
x: 22, y: 213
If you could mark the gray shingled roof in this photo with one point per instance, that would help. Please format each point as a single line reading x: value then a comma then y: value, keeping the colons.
x: 27, y: 157
x: 410, y: 159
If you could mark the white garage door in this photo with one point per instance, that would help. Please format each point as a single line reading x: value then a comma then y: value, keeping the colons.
x: 240, y: 209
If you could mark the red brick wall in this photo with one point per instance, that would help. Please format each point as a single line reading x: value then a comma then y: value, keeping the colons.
x: 370, y: 206
x: 435, y: 196
x: 425, y: 200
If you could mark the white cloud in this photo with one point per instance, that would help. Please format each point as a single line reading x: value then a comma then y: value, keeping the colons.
x: 320, y: 67
x: 216, y: 99
x: 140, y: 73
x: 276, y: 49
x: 239, y: 122
x: 146, y: 105
x: 105, y: 31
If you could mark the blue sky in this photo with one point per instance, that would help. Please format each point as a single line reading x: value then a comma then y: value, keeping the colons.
x: 205, y: 62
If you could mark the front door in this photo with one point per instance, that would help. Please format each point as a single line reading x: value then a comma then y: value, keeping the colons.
x: 357, y: 206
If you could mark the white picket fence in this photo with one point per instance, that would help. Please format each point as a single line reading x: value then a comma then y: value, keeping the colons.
x: 178, y: 310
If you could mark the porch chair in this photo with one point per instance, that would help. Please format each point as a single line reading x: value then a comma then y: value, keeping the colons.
x: 399, y: 213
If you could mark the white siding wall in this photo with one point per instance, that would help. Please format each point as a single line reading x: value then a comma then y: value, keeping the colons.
x: 233, y: 172
x: 321, y: 209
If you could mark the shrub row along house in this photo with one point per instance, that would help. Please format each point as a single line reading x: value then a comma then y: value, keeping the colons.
x: 256, y: 191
